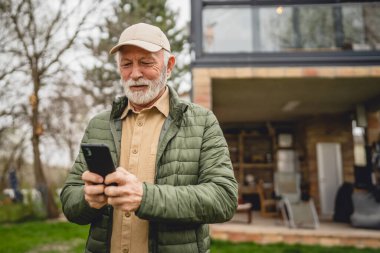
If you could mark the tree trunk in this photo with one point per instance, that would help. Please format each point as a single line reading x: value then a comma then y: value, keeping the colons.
x: 3, y: 180
x: 70, y: 145
x: 41, y: 182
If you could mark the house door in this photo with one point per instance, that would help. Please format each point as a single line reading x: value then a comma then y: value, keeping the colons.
x: 329, y: 159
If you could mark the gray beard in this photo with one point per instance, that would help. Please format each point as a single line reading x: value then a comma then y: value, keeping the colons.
x: 144, y: 97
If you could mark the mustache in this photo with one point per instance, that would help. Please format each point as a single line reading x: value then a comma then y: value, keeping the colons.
x: 140, y: 82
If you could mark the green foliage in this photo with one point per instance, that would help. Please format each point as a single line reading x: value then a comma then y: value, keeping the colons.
x: 42, y: 237
x: 18, y: 212
x: 103, y: 76
x: 14, y: 213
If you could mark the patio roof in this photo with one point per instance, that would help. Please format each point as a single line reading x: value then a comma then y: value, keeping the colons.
x: 278, y: 99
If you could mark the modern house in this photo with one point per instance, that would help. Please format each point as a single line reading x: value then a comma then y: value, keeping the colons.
x: 295, y: 85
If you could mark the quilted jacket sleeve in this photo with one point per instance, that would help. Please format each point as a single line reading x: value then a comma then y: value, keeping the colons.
x: 213, y: 199
x: 74, y: 205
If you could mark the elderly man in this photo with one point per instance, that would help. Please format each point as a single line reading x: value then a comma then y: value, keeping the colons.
x: 174, y: 173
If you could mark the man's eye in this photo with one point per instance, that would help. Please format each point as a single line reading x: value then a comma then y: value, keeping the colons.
x: 145, y: 63
x: 125, y: 65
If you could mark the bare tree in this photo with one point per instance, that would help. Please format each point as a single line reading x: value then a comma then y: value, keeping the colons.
x: 38, y: 35
x: 72, y: 109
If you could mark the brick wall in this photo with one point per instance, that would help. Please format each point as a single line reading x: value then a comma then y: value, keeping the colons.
x: 202, y: 91
x: 373, y: 120
x: 335, y: 128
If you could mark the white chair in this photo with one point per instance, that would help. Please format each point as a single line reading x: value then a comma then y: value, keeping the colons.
x: 295, y: 212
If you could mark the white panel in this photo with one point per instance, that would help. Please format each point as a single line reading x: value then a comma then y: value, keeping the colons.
x: 286, y: 160
x: 329, y: 159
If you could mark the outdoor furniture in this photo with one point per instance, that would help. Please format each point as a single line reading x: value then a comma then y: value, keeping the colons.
x: 268, y: 205
x: 300, y: 214
x: 344, y: 207
x: 295, y: 212
x: 366, y: 210
x: 245, y: 208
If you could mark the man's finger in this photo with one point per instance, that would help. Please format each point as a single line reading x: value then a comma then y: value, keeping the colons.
x: 112, y: 191
x: 92, y: 177
x: 100, y: 199
x: 94, y: 189
x: 119, y: 177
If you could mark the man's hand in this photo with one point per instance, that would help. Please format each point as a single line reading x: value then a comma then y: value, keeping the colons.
x: 127, y: 195
x: 94, y: 190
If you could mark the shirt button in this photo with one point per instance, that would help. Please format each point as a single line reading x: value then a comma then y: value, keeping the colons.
x: 127, y: 214
x: 139, y: 123
x: 125, y: 250
x: 134, y: 151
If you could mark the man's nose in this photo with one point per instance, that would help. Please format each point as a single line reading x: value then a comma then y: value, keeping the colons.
x: 136, y: 73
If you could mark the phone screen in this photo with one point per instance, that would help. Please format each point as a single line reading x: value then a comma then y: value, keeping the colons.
x: 98, y: 159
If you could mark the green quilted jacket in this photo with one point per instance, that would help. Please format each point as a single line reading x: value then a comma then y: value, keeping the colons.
x: 194, y: 181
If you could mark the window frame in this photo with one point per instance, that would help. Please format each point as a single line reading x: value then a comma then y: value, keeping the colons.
x: 338, y: 58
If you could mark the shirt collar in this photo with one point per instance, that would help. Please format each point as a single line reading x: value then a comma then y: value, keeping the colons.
x: 162, y: 105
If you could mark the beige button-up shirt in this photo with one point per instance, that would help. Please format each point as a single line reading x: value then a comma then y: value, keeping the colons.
x: 139, y: 141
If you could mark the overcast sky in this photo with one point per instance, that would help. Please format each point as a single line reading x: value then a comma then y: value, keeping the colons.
x: 75, y: 59
x: 184, y: 8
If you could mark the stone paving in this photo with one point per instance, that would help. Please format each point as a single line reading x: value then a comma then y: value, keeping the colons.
x: 266, y: 230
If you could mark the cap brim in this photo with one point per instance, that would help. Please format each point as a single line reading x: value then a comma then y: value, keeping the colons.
x: 138, y: 43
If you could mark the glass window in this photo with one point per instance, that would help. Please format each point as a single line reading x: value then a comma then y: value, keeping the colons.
x: 227, y: 29
x: 333, y: 27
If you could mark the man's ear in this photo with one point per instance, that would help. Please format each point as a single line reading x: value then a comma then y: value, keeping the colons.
x: 170, y: 66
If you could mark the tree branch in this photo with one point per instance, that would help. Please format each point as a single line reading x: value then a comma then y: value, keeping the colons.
x: 15, y: 20
x: 70, y: 41
x: 32, y: 27
x: 53, y: 23
x: 12, y: 70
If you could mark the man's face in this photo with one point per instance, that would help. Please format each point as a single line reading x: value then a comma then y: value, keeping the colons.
x: 143, y: 74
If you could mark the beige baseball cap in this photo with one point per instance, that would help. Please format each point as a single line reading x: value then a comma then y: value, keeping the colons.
x: 146, y: 36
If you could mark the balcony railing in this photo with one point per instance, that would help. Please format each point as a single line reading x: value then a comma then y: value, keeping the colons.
x: 331, y: 33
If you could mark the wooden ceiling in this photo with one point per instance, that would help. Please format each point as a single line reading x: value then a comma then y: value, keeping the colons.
x: 290, y: 99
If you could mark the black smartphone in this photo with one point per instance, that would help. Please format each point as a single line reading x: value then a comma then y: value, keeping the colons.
x: 98, y: 158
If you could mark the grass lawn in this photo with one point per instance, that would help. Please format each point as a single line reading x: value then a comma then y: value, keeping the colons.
x: 64, y: 237
x: 42, y: 237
